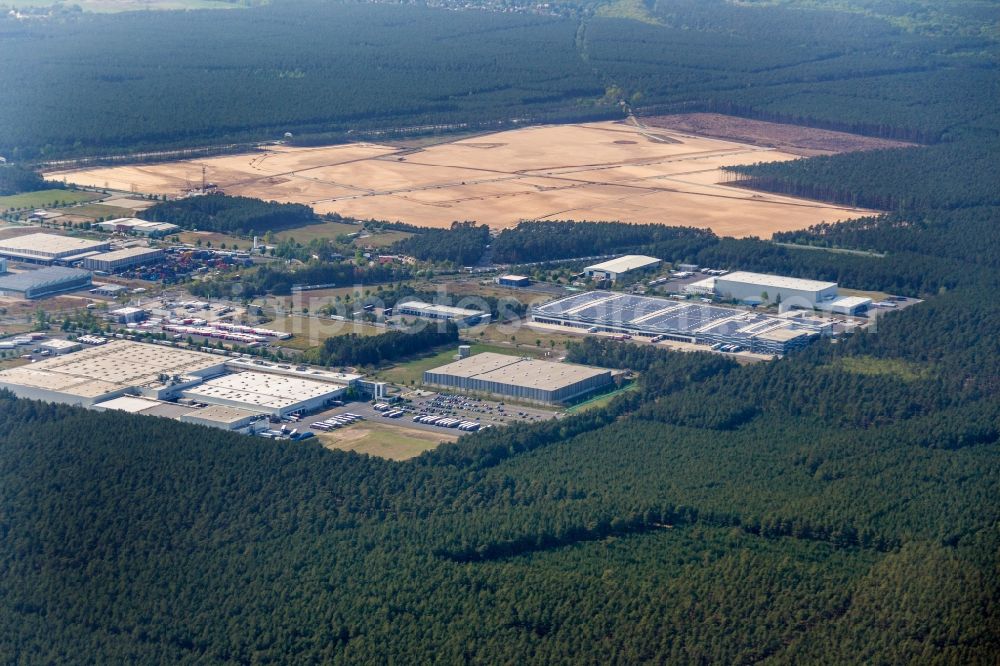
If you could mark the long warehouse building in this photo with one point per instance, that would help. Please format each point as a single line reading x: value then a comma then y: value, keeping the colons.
x: 521, y: 378
x: 681, y: 321
x: 121, y: 367
x: 759, y: 287
x: 48, y: 248
x: 263, y: 392
x: 44, y: 282
x: 110, y: 262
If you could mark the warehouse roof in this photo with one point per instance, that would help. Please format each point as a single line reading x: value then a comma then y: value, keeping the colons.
x: 545, y: 375
x: 221, y: 414
x: 128, y: 403
x: 41, y: 278
x: 136, y: 223
x: 115, y: 366
x: 49, y: 243
x: 477, y: 364
x: 266, y: 390
x: 851, y: 301
x: 34, y: 377
x: 774, y: 281
x: 785, y: 334
x: 447, y: 310
x: 127, y: 253
x: 629, y: 262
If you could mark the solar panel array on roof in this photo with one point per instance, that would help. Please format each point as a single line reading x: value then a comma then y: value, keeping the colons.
x: 682, y: 320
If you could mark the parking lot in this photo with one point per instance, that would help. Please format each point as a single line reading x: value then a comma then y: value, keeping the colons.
x: 484, y: 412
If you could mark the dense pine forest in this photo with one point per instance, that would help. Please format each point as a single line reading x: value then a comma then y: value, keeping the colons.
x: 462, y: 244
x: 838, y: 506
x: 97, y: 84
x: 234, y: 215
x: 16, y: 179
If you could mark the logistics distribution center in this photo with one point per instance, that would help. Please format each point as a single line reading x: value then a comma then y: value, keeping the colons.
x: 697, y: 323
x: 44, y: 282
x: 461, y: 316
x: 147, y: 378
x: 49, y: 248
x: 521, y: 378
x: 615, y: 268
x: 778, y: 289
x: 110, y: 262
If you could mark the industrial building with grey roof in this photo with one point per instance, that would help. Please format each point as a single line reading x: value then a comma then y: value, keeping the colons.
x: 46, y: 248
x: 521, y: 378
x: 44, y: 282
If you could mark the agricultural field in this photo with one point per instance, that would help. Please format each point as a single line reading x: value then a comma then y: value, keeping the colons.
x: 43, y: 198
x: 593, y: 171
x: 385, y: 441
x: 795, y: 139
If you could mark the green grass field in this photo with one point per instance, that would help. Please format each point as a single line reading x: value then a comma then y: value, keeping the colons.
x: 411, y: 373
x: 97, y: 211
x: 43, y: 198
x: 601, y: 400
x: 384, y: 239
x: 215, y: 238
x: 313, y: 231
x: 312, y: 331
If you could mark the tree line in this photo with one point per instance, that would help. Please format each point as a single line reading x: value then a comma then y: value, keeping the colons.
x: 230, y: 215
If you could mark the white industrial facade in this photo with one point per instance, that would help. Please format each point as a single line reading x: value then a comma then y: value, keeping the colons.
x: 461, y: 316
x: 98, y: 374
x: 139, y: 227
x: 46, y: 248
x: 263, y: 392
x: 225, y: 418
x: 615, y: 268
x: 44, y: 282
x: 759, y: 287
x: 848, y: 305
x: 521, y: 378
x: 120, y: 259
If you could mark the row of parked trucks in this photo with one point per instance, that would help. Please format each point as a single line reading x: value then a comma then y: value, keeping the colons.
x: 335, y: 422
x: 448, y: 422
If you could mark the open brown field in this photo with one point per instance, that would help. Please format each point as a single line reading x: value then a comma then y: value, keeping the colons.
x: 805, y: 141
x: 593, y: 171
x: 385, y: 441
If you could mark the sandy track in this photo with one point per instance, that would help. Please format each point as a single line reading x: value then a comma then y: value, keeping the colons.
x: 594, y: 171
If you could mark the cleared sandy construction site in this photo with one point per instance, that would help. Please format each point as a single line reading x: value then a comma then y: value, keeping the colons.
x: 594, y: 171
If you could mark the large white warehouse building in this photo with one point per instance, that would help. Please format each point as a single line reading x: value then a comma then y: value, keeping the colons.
x: 615, y: 268
x: 745, y: 286
x: 45, y: 248
x: 522, y: 378
x: 98, y: 374
x: 266, y: 393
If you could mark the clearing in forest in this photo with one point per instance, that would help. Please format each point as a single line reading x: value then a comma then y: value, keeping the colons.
x: 593, y: 171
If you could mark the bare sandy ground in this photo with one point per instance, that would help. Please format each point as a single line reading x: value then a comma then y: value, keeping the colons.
x: 789, y: 138
x: 594, y: 171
